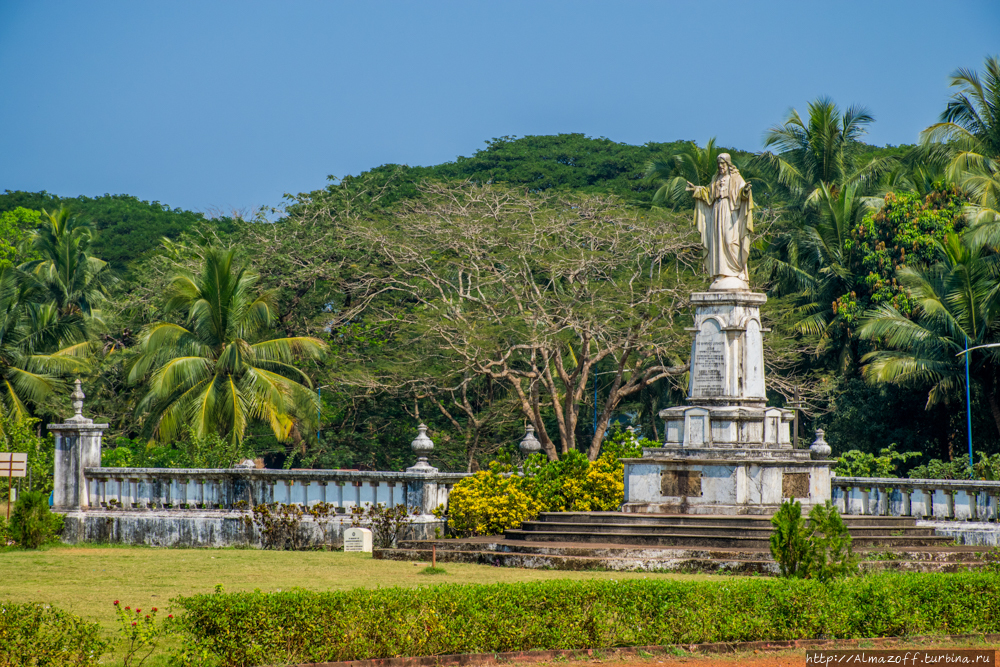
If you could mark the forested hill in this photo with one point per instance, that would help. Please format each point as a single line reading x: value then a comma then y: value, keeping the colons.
x: 571, y: 161
x: 562, y: 161
x: 542, y: 162
x: 126, y: 226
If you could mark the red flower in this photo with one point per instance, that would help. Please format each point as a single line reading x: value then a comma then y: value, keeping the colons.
x: 154, y: 610
x: 137, y: 610
x: 128, y: 608
x: 170, y: 616
x: 116, y: 603
x: 133, y: 622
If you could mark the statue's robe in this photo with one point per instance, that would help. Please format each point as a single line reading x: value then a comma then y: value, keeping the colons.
x: 723, y: 214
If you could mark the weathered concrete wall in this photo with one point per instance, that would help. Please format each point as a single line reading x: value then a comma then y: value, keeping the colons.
x: 187, y: 528
x: 966, y: 533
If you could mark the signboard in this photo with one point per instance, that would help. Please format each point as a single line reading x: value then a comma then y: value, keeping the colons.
x: 13, y: 464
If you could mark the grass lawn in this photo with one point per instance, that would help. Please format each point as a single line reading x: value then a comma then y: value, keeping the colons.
x: 86, y: 580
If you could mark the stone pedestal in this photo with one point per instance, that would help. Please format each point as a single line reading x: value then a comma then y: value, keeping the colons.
x: 78, y: 446
x: 725, y: 452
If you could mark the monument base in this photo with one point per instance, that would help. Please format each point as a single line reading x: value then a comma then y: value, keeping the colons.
x: 725, y: 452
x: 688, y: 480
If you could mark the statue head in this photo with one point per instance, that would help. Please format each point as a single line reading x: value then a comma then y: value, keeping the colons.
x: 725, y: 163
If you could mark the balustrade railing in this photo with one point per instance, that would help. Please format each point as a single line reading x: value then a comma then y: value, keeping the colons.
x: 958, y: 500
x: 226, y: 489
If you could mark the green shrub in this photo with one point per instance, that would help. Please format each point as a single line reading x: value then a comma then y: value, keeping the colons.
x: 191, y: 452
x: 279, y: 525
x: 830, y: 555
x: 32, y: 524
x: 819, y: 549
x: 31, y: 634
x: 790, y: 539
x: 855, y: 463
x: 303, y: 626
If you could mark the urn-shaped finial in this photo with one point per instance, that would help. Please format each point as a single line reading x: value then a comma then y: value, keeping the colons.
x: 77, y: 397
x: 819, y: 450
x: 422, y: 446
x: 529, y: 444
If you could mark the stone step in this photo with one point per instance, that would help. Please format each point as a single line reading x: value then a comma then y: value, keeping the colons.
x: 563, y: 562
x: 708, y: 529
x: 695, y: 539
x: 706, y: 519
x: 557, y: 561
x: 500, y: 545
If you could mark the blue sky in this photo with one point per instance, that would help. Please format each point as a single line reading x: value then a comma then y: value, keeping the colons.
x: 218, y: 105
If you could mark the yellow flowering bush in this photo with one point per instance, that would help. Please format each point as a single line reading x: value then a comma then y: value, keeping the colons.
x: 489, y: 502
x: 602, y: 489
x: 492, y: 501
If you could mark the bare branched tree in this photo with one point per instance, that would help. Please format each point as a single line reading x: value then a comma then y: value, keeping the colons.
x: 533, y: 291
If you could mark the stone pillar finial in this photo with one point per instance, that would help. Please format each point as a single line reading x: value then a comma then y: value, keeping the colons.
x: 422, y: 446
x: 529, y: 444
x: 78, y: 397
x: 819, y: 450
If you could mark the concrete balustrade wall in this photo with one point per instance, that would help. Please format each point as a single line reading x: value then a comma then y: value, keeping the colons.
x: 182, y: 507
x: 165, y: 489
x: 966, y: 510
x: 947, y: 500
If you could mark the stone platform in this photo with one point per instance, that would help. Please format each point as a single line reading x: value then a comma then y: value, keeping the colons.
x: 723, y: 480
x: 683, y: 543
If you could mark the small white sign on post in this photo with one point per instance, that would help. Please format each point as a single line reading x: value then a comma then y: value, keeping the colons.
x: 12, y: 464
x: 358, y: 539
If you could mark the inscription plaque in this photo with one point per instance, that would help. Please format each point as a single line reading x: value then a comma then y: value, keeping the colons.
x: 795, y: 485
x: 709, y: 366
x: 358, y: 539
x: 682, y: 483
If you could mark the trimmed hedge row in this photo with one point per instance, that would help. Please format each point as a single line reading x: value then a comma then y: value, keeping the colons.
x: 31, y: 634
x: 303, y: 626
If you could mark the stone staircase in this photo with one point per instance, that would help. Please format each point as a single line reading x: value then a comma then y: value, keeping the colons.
x: 726, y: 532
x: 683, y: 543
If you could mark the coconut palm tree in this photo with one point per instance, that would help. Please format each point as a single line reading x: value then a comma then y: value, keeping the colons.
x: 32, y: 360
x: 969, y: 128
x: 218, y: 372
x: 971, y: 121
x: 65, y: 274
x: 957, y: 304
x: 674, y: 169
x: 825, y: 148
x: 823, y: 272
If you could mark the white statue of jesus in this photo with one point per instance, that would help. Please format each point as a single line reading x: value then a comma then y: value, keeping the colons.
x: 723, y: 213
